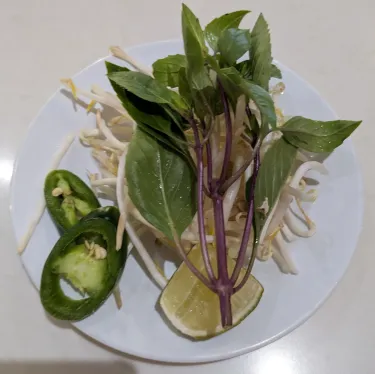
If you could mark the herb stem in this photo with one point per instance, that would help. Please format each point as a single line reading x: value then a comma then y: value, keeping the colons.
x: 228, y: 139
x: 224, y: 286
x: 207, y: 282
x: 201, y: 227
x: 246, y: 235
x: 226, y: 309
x: 241, y: 170
x: 222, y: 265
x: 209, y: 156
x: 207, y: 134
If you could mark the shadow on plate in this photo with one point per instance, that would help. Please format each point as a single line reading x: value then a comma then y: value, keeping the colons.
x: 61, y: 367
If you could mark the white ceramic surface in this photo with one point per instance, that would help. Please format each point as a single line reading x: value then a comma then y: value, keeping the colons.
x: 287, y: 301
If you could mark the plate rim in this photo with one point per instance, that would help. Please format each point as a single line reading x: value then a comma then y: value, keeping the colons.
x: 218, y: 357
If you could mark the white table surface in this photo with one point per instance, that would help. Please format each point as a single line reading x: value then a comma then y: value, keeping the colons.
x: 331, y: 43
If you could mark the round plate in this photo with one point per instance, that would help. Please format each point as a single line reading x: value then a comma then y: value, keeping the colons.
x: 138, y: 328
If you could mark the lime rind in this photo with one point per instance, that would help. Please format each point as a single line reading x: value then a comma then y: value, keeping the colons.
x: 193, y: 309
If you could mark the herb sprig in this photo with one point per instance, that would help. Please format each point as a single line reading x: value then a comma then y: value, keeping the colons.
x: 171, y: 175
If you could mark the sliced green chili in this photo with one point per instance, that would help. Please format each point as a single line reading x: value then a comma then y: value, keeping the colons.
x: 93, y: 278
x: 109, y: 213
x: 68, y: 198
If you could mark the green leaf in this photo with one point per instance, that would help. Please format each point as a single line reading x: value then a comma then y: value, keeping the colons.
x: 274, y: 170
x: 233, y: 44
x: 161, y: 185
x: 264, y: 102
x: 317, y: 136
x: 244, y: 68
x: 276, y: 72
x: 235, y: 86
x: 170, y: 142
x: 147, y: 88
x: 261, y: 57
x: 154, y: 118
x: 218, y: 25
x: 197, y: 73
x: 190, y: 21
x: 166, y: 70
x: 231, y: 81
x: 142, y: 111
x: 194, y: 45
x: 183, y: 86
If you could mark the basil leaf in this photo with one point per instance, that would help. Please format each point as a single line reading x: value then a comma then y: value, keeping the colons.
x: 274, y: 170
x: 233, y: 44
x: 264, y: 102
x: 161, y: 185
x: 232, y: 83
x: 235, y: 86
x: 170, y: 142
x: 244, y: 68
x: 142, y: 111
x: 194, y: 45
x: 183, y: 86
x: 166, y: 70
x: 201, y: 86
x: 261, y: 58
x: 317, y: 136
x: 147, y: 88
x: 218, y: 25
x: 276, y: 72
x: 154, y: 118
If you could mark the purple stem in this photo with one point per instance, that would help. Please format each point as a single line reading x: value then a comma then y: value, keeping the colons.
x: 209, y: 165
x: 226, y: 308
x: 224, y: 286
x: 246, y: 235
x: 201, y: 228
x: 207, y: 282
x: 228, y: 140
x: 222, y: 266
x: 240, y: 171
x: 209, y: 158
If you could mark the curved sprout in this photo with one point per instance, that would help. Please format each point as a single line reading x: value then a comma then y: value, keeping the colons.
x: 148, y: 261
x: 117, y: 296
x: 114, y: 102
x: 105, y: 182
x: 304, y: 168
x: 289, y: 236
x: 120, y: 194
x: 115, y: 143
x: 300, y: 195
x: 42, y: 205
x: 284, y: 253
x: 280, y: 261
x: 122, y: 55
x: 292, y: 222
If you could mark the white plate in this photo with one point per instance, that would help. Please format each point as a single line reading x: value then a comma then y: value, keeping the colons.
x: 138, y: 329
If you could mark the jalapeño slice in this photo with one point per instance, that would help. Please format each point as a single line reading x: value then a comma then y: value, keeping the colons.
x: 93, y: 276
x: 68, y: 198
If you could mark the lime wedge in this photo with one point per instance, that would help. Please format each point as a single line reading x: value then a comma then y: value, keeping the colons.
x: 194, y: 310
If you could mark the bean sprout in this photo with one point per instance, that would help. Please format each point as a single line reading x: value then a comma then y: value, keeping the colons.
x: 42, y: 205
